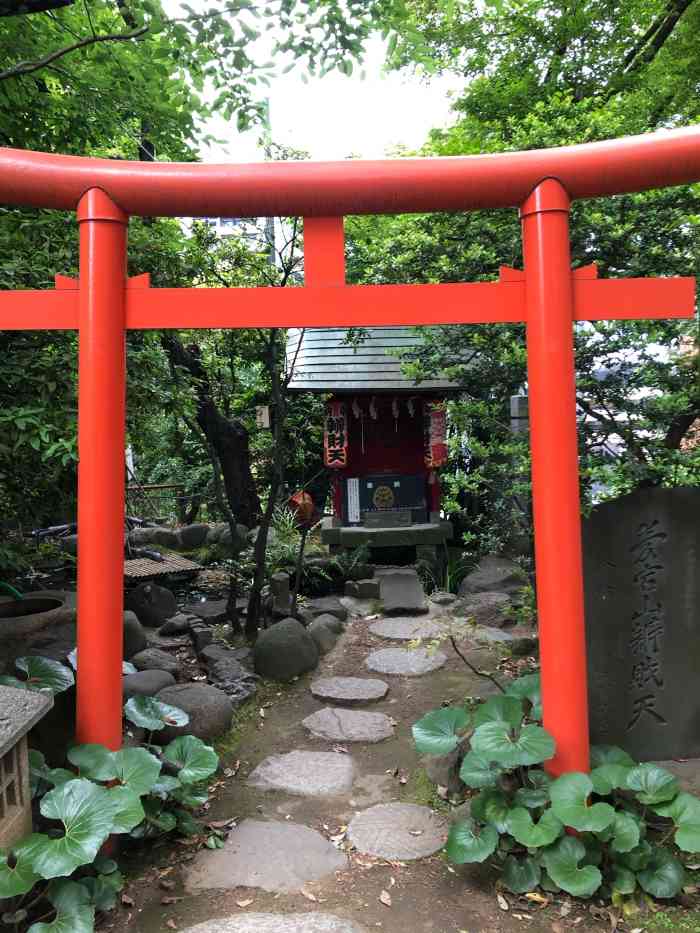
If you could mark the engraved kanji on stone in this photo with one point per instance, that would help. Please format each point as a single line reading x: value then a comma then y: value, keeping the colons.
x: 645, y: 704
x: 646, y: 671
x: 648, y: 630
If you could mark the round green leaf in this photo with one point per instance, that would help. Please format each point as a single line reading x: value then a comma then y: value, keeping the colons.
x: 437, y: 732
x: 624, y: 880
x: 136, y: 769
x: 491, y: 806
x: 166, y: 784
x: 45, y: 674
x: 536, y: 792
x: 93, y: 761
x: 8, y: 681
x: 521, y: 875
x: 38, y: 771
x: 569, y: 795
x: 638, y: 858
x: 562, y: 863
x: 128, y: 809
x: 664, y: 876
x: 469, y: 842
x: 87, y: 815
x: 501, y: 708
x: 103, y: 889
x: 152, y: 714
x: 58, y: 776
x: 625, y: 832
x: 533, y: 835
x: 607, y: 777
x: 477, y: 771
x: 652, y: 784
x: 195, y: 760
x: 528, y: 688
x: 74, y: 913
x: 684, y: 810
x: 17, y: 875
x: 191, y: 795
x: 610, y: 755
x: 496, y: 741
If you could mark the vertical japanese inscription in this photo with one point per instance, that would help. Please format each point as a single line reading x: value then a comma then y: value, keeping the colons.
x: 647, y: 625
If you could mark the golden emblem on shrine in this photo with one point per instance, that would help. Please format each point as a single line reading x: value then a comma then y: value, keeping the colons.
x: 383, y: 497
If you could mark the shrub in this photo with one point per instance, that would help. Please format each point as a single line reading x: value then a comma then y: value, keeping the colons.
x: 624, y: 814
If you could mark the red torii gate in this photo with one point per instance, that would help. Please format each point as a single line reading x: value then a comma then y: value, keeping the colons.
x: 547, y: 296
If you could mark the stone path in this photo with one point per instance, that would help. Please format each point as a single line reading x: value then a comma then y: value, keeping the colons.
x: 316, y: 815
x: 409, y: 662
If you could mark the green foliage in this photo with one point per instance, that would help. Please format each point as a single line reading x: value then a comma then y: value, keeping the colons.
x: 150, y: 713
x: 41, y: 674
x: 122, y: 792
x: 519, y: 814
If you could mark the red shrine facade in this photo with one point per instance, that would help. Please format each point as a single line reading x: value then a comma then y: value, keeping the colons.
x: 385, y: 438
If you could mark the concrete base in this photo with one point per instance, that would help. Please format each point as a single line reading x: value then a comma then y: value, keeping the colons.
x: 352, y: 536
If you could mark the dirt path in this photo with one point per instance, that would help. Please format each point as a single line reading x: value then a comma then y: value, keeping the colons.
x: 423, y: 896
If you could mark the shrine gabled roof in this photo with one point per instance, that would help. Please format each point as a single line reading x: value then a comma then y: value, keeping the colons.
x: 327, y: 362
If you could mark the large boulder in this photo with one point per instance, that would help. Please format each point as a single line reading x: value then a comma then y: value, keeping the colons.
x: 285, y: 651
x: 146, y: 683
x: 486, y: 608
x: 193, y: 536
x: 323, y: 635
x: 209, y: 710
x: 494, y: 575
x: 134, y: 636
x: 327, y: 604
x: 153, y: 604
x: 237, y: 543
x: 402, y: 593
x: 153, y: 659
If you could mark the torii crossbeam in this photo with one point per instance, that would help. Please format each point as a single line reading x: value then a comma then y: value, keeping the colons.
x: 548, y: 297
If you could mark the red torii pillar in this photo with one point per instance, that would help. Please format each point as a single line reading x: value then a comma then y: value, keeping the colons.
x: 548, y: 297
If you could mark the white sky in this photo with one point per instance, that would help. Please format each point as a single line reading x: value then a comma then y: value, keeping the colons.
x: 335, y: 117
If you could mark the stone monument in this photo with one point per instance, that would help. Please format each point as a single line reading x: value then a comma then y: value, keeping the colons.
x: 642, y: 589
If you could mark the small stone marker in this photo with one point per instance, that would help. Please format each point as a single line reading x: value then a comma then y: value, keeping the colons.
x: 348, y: 725
x: 349, y: 691
x: 409, y: 662
x: 20, y: 710
x: 407, y: 629
x: 278, y: 923
x: 642, y: 587
x: 277, y: 857
x: 402, y: 593
x: 305, y: 774
x: 402, y: 831
x: 281, y: 598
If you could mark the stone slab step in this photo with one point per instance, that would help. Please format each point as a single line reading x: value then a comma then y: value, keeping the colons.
x: 349, y: 691
x: 278, y: 923
x: 406, y: 629
x: 407, y: 662
x: 305, y: 774
x: 277, y: 857
x: 349, y: 725
x: 403, y: 831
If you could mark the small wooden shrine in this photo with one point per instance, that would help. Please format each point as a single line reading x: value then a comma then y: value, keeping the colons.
x: 384, y: 438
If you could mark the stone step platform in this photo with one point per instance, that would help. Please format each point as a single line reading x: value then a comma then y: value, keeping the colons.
x: 402, y: 592
x: 306, y: 774
x: 276, y: 857
x: 278, y: 923
x: 406, y: 629
x: 348, y: 725
x: 349, y: 691
x: 403, y: 831
x: 406, y: 662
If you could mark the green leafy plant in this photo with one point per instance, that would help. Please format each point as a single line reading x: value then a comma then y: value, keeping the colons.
x: 140, y: 792
x: 624, y: 814
x: 40, y: 674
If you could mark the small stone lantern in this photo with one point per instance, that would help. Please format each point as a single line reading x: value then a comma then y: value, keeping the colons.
x: 19, y: 711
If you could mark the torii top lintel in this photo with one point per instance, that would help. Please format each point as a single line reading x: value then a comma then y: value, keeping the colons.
x: 391, y: 186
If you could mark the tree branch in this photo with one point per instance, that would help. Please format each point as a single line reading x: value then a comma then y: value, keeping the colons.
x: 25, y: 68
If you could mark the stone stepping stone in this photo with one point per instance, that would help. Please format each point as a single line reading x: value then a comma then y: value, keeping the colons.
x: 406, y: 629
x: 349, y: 725
x: 278, y: 923
x: 277, y: 857
x: 401, y: 831
x: 349, y: 691
x: 305, y: 774
x: 409, y: 662
x: 402, y: 593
